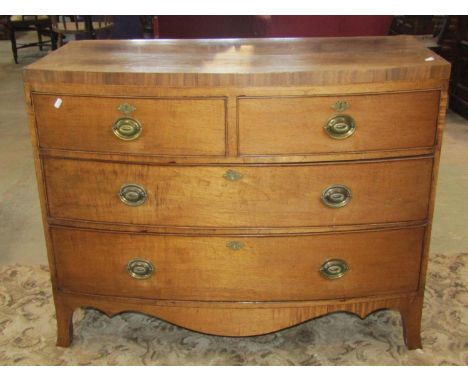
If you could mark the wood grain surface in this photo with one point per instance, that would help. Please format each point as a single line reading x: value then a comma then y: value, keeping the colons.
x: 295, y: 125
x: 264, y: 269
x: 240, y: 62
x: 265, y: 196
x: 245, y: 319
x: 170, y: 126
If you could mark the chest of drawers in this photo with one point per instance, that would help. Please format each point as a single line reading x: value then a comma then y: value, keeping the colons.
x: 238, y: 187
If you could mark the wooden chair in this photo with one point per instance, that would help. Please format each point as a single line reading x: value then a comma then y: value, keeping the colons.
x: 414, y: 25
x: 40, y: 24
x: 459, y: 81
x: 147, y: 26
x: 80, y: 25
x: 447, y: 39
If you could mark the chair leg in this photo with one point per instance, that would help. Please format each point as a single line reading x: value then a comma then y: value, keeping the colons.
x: 53, y: 40
x: 13, y: 45
x: 39, y: 38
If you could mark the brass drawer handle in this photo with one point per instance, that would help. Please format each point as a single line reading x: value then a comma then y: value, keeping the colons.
x: 336, y: 196
x: 334, y: 269
x: 232, y: 175
x: 235, y: 245
x: 132, y: 194
x: 127, y: 128
x: 340, y: 126
x: 140, y: 269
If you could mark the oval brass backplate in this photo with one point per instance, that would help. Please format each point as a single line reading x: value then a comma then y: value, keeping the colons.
x: 140, y: 269
x: 336, y: 196
x: 132, y: 194
x: 334, y: 269
x: 340, y: 126
x: 127, y: 128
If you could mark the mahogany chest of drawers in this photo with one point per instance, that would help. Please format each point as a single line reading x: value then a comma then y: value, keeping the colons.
x: 238, y: 187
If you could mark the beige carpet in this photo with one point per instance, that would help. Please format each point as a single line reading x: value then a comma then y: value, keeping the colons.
x: 27, y: 331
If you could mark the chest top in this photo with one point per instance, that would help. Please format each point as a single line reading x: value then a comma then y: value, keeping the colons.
x: 240, y: 62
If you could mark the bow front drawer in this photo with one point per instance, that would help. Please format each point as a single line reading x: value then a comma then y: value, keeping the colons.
x: 241, y: 196
x: 148, y: 126
x: 333, y: 124
x: 238, y: 268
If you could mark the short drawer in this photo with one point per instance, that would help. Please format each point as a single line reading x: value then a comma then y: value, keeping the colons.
x: 147, y: 126
x: 238, y: 268
x: 240, y: 196
x: 333, y: 124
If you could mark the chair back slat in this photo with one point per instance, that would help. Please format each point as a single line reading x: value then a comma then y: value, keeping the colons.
x: 87, y: 26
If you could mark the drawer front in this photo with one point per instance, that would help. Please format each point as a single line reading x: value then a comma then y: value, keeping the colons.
x: 296, y: 125
x: 237, y: 268
x: 241, y: 196
x: 166, y: 127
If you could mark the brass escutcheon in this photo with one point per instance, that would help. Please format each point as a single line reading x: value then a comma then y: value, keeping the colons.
x: 336, y: 196
x: 232, y: 175
x: 334, y: 269
x: 127, y: 128
x: 126, y: 108
x: 132, y: 194
x: 140, y: 269
x: 340, y: 106
x: 340, y: 126
x: 235, y: 245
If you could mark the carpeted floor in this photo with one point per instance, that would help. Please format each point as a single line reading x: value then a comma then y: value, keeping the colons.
x: 27, y: 331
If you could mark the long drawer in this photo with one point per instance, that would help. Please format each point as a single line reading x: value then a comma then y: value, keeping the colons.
x: 149, y: 126
x: 333, y: 124
x: 238, y: 268
x: 242, y: 196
